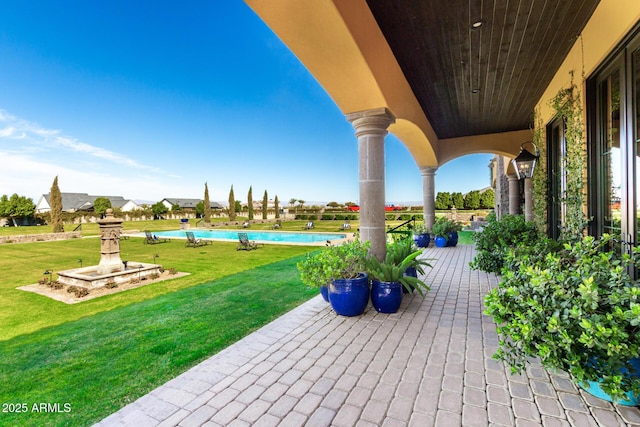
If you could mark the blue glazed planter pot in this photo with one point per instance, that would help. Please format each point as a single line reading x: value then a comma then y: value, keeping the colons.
x: 441, y: 242
x: 324, y: 291
x: 411, y: 271
x: 594, y: 389
x: 422, y: 240
x: 349, y: 297
x: 386, y: 297
x: 453, y: 239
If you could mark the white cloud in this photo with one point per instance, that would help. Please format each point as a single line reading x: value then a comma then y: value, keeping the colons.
x: 19, y: 129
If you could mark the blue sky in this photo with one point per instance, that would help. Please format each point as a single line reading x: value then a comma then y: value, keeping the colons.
x: 148, y: 101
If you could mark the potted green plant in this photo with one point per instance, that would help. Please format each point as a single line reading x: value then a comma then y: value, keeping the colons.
x: 389, y: 276
x: 421, y: 235
x: 576, y: 309
x: 446, y: 231
x: 342, y: 267
x: 313, y: 273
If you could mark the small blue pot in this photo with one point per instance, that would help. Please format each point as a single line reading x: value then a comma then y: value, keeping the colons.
x: 324, y: 291
x: 349, y: 297
x: 453, y: 239
x: 594, y: 389
x: 411, y: 271
x: 386, y: 297
x: 422, y: 240
x: 441, y: 242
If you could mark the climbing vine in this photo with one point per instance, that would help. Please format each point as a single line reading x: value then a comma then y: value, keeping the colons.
x: 540, y: 180
x: 568, y: 106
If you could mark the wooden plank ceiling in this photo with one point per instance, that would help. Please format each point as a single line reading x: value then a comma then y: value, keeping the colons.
x: 473, y: 81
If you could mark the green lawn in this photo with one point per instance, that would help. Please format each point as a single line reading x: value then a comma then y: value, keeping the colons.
x: 100, y: 363
x: 22, y: 264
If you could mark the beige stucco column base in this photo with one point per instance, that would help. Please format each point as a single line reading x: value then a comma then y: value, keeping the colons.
x: 429, y: 195
x: 371, y: 128
x: 514, y: 194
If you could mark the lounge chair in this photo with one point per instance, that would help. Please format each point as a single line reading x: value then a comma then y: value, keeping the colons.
x: 277, y: 225
x: 244, y: 242
x: 193, y: 242
x: 346, y: 225
x: 309, y: 226
x: 152, y: 239
x: 246, y: 224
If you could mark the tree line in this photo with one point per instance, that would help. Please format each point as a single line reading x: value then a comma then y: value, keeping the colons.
x: 472, y: 200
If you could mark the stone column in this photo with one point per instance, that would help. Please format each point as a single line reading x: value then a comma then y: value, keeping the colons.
x: 429, y: 195
x: 371, y: 128
x: 528, y: 199
x: 514, y: 194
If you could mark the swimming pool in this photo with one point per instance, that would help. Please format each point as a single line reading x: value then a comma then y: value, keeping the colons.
x: 259, y: 236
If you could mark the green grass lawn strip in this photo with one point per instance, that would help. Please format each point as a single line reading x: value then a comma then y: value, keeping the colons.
x: 23, y: 264
x: 100, y: 363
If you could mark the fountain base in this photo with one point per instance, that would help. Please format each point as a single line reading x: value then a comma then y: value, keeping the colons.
x: 89, y: 278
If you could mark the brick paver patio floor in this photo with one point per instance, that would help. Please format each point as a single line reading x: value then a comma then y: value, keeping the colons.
x: 429, y: 364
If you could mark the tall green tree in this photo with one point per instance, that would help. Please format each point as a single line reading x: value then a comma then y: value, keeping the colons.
x: 159, y: 209
x: 101, y: 204
x: 443, y: 200
x: 207, y: 205
x: 457, y: 200
x: 276, y: 206
x: 250, y: 203
x: 200, y: 208
x: 487, y: 199
x: 55, y: 204
x: 472, y: 200
x: 232, y: 205
x: 16, y: 207
x: 265, y: 205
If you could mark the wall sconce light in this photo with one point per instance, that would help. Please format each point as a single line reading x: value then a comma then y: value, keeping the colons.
x: 525, y: 163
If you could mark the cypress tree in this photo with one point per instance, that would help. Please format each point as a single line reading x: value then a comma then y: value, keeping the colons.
x: 207, y: 205
x: 265, y: 205
x: 276, y: 206
x: 232, y: 205
x: 250, y: 203
x: 55, y: 202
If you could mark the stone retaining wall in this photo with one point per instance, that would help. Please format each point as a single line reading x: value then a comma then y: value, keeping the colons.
x: 28, y: 238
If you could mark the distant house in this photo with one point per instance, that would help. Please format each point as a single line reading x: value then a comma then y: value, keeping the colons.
x: 187, y: 204
x: 75, y: 202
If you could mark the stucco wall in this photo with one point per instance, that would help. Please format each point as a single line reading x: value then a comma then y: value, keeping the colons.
x: 610, y: 23
x: 28, y: 238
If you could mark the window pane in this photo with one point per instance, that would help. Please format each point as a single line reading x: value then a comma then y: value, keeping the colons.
x: 612, y: 161
x: 635, y: 78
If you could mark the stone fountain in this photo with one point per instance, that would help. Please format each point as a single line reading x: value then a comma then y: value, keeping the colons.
x: 110, y: 269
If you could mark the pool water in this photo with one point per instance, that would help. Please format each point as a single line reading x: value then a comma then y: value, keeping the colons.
x: 260, y: 236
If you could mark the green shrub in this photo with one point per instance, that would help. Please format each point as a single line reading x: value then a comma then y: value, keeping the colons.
x: 577, y: 309
x: 499, y: 236
x: 327, y: 217
x: 344, y: 261
x: 443, y: 226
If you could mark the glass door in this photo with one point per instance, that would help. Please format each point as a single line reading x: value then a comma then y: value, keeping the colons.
x: 634, y: 113
x: 610, y: 164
